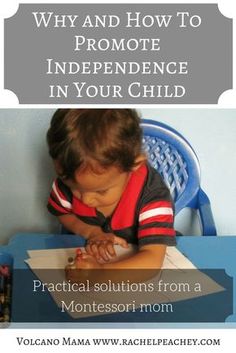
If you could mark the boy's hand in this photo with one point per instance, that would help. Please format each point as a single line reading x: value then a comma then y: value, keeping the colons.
x: 81, y: 272
x: 102, y: 246
x: 87, y: 262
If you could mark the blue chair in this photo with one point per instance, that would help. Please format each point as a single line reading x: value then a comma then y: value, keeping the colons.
x: 173, y: 157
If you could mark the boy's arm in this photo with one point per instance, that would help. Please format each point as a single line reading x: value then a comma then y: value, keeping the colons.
x: 75, y: 225
x: 60, y: 205
x: 150, y: 256
x: 140, y: 267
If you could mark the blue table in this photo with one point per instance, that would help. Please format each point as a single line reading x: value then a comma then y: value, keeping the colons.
x: 207, y: 253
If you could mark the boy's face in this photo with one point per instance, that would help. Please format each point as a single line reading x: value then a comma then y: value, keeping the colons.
x: 99, y: 190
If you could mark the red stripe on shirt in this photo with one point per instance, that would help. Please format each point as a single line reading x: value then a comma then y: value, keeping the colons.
x: 156, y: 204
x: 55, y: 197
x: 155, y: 231
x: 60, y: 193
x: 160, y: 218
x: 57, y: 207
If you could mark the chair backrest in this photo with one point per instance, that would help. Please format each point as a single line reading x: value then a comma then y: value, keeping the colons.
x: 174, y: 158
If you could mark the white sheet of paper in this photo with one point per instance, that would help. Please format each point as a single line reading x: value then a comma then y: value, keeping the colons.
x: 57, y: 259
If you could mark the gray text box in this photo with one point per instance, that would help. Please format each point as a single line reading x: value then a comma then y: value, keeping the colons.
x: 118, y: 54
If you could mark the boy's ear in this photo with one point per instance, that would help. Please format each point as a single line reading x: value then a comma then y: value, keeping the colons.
x: 139, y: 161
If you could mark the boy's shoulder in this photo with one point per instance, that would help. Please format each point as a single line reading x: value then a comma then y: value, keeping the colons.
x: 147, y: 178
x: 154, y: 188
x: 153, y: 178
x: 63, y: 189
x: 153, y: 174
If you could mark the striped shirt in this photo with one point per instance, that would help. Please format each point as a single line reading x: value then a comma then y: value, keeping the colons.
x: 144, y: 214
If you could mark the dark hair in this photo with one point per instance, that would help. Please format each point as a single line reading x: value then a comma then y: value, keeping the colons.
x: 77, y: 137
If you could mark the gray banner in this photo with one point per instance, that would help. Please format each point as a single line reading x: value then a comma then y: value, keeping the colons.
x: 118, y: 53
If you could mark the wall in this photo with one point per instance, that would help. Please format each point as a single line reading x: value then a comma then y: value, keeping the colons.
x: 26, y: 171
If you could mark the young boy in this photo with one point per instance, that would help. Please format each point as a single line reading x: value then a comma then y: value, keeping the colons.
x: 106, y: 191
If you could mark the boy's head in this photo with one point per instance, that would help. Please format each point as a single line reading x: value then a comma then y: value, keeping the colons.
x: 94, y: 139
